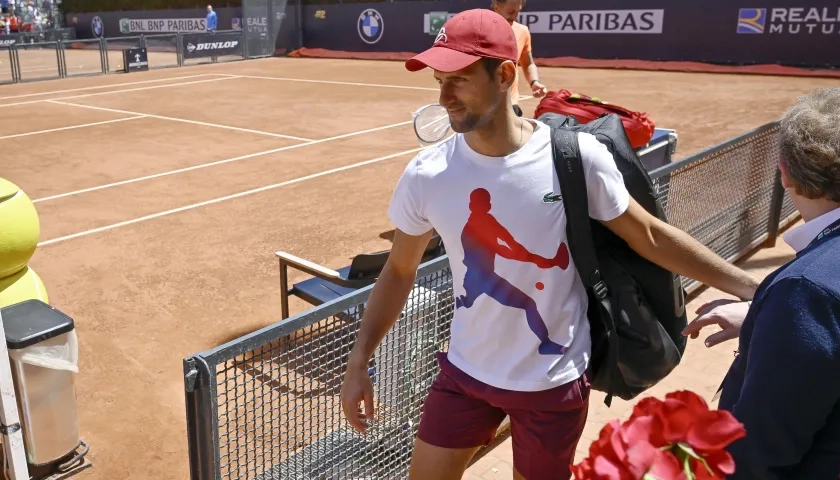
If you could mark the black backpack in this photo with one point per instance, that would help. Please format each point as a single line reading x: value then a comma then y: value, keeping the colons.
x: 636, y: 308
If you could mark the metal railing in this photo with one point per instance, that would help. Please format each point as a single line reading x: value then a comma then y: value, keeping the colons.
x: 266, y: 405
x: 64, y: 57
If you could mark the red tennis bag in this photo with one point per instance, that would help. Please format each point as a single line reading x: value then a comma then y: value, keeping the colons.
x: 638, y: 126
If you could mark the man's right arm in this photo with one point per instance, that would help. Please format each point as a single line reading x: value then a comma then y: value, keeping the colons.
x: 389, y: 295
x: 385, y: 303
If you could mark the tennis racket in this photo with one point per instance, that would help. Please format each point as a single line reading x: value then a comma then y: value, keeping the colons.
x: 431, y: 124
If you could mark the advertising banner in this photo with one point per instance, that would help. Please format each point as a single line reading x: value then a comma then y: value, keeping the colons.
x: 802, y: 33
x: 162, y: 25
x: 201, y: 45
x: 254, y: 25
x: 135, y: 60
x: 8, y: 40
x: 146, y: 22
x: 269, y: 26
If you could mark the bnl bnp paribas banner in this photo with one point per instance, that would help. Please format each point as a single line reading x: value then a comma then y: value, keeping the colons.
x: 793, y: 32
x: 581, y: 21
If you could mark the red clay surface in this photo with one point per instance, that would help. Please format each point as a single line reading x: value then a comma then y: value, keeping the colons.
x: 577, y: 62
x: 166, y: 267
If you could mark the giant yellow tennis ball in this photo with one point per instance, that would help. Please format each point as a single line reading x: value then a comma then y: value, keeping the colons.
x: 24, y: 285
x: 19, y: 228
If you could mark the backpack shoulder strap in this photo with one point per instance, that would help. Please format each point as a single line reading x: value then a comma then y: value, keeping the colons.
x: 569, y: 167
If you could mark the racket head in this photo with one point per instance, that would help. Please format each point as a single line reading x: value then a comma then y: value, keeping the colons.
x: 431, y: 123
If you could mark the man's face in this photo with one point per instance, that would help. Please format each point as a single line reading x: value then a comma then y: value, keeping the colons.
x: 471, y: 96
x: 209, y: 9
x: 509, y: 9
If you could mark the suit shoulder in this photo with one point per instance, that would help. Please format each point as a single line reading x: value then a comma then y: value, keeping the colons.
x: 820, y: 266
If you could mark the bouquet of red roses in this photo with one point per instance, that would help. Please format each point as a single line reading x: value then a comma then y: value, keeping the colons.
x: 679, y: 438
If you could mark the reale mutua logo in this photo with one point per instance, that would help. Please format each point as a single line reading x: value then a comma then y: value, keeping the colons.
x: 789, y: 21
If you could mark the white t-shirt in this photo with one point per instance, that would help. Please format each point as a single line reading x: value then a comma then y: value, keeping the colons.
x: 511, y: 266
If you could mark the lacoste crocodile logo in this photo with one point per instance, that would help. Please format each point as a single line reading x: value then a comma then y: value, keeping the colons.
x: 552, y: 197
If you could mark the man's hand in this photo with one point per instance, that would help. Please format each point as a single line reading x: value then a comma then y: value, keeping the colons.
x: 357, y: 389
x: 385, y: 304
x: 727, y: 314
x: 538, y: 90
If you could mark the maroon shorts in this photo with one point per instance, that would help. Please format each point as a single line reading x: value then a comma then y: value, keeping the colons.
x: 462, y: 412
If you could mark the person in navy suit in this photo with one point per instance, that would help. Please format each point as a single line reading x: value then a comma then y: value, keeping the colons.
x: 784, y: 384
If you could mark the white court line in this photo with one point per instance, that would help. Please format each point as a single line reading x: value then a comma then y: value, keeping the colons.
x: 220, y: 162
x: 119, y: 91
x: 72, y: 127
x: 336, y: 82
x: 228, y: 197
x: 105, y: 86
x: 194, y: 122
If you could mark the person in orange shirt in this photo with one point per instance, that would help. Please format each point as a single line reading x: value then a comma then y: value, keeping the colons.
x: 510, y: 10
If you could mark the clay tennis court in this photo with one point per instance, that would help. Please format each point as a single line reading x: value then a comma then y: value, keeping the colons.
x: 163, y: 196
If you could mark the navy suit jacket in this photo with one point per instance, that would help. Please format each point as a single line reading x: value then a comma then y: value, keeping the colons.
x: 784, y: 384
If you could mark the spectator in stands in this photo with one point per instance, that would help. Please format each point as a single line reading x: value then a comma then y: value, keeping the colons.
x: 520, y: 342
x: 784, y: 383
x: 510, y: 10
x: 212, y: 19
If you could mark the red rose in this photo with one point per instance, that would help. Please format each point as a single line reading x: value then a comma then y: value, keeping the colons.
x: 663, y: 438
x: 714, y: 430
x: 643, y: 458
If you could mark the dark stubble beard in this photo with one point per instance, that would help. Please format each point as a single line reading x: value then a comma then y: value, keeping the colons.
x: 466, y: 124
x: 471, y: 121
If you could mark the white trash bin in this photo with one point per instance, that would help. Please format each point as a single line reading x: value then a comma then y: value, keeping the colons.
x: 44, y: 354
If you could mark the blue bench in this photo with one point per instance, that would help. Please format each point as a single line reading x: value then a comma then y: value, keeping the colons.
x: 327, y: 284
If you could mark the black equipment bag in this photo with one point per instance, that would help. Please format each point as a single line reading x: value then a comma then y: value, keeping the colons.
x: 636, y: 308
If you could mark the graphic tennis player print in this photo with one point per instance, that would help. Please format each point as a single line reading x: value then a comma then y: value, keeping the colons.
x: 483, y: 238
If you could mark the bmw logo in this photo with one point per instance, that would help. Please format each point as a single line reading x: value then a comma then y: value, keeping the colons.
x: 97, y: 27
x: 370, y: 26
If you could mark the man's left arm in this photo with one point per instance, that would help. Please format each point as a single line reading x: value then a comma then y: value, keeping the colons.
x: 678, y: 252
x: 790, y: 386
x: 667, y: 246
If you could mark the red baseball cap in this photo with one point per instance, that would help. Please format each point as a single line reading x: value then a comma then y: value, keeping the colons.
x: 466, y: 38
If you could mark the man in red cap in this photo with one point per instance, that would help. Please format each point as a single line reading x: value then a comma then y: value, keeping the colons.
x: 520, y: 342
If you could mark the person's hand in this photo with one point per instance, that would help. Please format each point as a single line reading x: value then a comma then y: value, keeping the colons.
x: 357, y: 389
x: 538, y: 90
x: 727, y: 314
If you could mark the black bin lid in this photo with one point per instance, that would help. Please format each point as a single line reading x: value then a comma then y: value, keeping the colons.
x: 33, y: 321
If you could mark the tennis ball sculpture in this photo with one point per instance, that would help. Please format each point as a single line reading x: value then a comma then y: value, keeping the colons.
x: 23, y: 285
x: 19, y: 228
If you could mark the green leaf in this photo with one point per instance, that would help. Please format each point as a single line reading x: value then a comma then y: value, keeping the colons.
x: 691, y: 453
x: 687, y: 467
x: 650, y: 476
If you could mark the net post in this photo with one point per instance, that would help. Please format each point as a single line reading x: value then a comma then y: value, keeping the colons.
x: 201, y: 428
x: 776, y: 202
